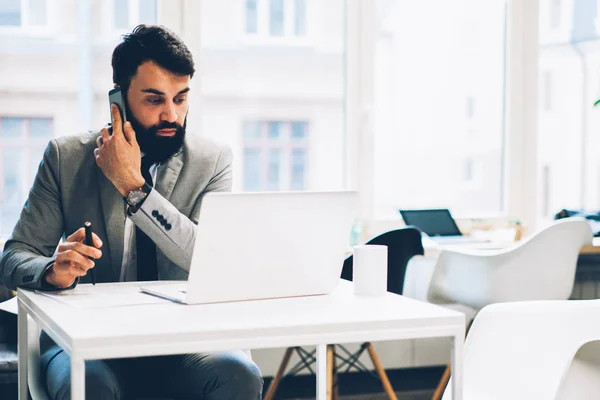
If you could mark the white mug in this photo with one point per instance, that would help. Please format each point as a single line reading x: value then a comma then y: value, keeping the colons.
x: 369, y: 270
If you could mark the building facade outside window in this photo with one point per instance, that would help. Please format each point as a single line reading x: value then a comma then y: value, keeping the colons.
x: 276, y: 18
x: 275, y: 155
x: 22, y: 143
x: 23, y: 14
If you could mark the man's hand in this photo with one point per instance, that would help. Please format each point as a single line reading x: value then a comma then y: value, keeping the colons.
x: 118, y: 155
x: 72, y: 259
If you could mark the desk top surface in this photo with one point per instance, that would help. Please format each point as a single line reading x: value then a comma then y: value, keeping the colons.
x: 249, y: 324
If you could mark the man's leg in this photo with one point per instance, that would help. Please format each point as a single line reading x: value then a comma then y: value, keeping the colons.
x: 228, y: 375
x: 101, y: 382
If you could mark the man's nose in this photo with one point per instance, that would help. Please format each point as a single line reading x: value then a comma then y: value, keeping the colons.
x: 169, y: 113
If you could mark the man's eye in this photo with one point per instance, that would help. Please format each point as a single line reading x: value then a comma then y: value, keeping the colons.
x: 180, y: 100
x: 154, y: 101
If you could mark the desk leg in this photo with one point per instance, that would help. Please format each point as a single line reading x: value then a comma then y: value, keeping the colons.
x: 22, y: 349
x: 322, y: 372
x: 77, y: 378
x: 457, y: 366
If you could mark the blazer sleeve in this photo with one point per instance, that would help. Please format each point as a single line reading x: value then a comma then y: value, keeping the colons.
x: 30, y: 249
x: 174, y: 234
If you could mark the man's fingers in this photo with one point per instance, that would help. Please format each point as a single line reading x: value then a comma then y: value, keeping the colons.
x: 77, y: 270
x: 129, y: 133
x: 105, y: 135
x: 117, y: 123
x: 97, y: 241
x: 71, y: 256
x: 77, y: 236
x: 81, y: 248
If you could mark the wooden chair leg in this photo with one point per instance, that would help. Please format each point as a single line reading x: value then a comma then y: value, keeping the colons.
x: 439, y: 390
x: 387, y: 386
x: 277, y: 379
x: 336, y: 391
x: 330, y: 366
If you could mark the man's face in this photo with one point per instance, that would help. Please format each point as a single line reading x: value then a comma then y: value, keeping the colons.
x: 157, y: 109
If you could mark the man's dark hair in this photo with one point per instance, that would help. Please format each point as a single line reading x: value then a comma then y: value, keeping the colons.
x: 150, y: 43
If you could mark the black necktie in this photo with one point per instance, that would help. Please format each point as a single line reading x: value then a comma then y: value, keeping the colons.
x: 147, y: 268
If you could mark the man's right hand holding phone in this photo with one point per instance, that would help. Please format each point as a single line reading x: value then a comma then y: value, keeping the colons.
x: 72, y: 260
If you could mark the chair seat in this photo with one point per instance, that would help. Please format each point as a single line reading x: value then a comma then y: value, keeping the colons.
x: 468, y: 311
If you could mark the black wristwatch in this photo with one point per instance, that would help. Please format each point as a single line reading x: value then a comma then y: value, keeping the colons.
x: 136, y: 197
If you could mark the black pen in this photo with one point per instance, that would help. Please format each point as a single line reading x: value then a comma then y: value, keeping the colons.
x: 89, y: 241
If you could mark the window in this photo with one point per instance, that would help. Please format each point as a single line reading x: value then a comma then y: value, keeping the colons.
x: 129, y: 13
x: 280, y: 108
x: 275, y: 155
x: 10, y: 13
x: 568, y: 124
x: 435, y: 86
x: 22, y: 143
x: 276, y: 18
x: 23, y: 13
x: 251, y: 16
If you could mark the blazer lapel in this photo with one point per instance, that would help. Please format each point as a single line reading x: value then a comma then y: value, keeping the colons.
x: 113, y: 210
x: 167, y: 175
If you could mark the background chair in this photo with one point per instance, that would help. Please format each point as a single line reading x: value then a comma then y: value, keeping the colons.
x: 540, y: 268
x: 8, y: 350
x: 543, y: 350
x: 402, y: 244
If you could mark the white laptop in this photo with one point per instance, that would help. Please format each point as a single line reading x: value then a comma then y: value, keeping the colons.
x: 266, y: 245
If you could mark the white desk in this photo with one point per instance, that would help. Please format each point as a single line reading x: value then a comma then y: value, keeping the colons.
x: 168, y: 328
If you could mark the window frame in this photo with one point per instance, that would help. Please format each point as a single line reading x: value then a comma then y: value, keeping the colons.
x: 520, y: 175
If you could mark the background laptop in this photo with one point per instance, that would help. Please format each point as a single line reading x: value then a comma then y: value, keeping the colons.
x: 436, y: 223
x: 266, y: 245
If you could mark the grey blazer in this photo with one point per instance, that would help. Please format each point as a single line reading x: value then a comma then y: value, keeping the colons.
x: 70, y: 189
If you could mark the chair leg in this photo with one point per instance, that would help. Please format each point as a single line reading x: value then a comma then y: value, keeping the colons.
x: 336, y: 391
x: 387, y: 386
x: 277, y: 379
x: 330, y: 373
x: 439, y: 390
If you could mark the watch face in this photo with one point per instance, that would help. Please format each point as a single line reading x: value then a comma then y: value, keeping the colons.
x: 135, y: 196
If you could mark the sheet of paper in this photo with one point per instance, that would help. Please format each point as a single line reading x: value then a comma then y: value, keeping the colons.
x: 102, y: 296
x: 10, y: 306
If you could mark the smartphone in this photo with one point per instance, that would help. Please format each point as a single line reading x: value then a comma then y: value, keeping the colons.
x: 116, y: 96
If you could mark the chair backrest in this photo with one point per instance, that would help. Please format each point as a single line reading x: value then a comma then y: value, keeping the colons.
x: 543, y: 350
x: 403, y: 244
x: 540, y: 268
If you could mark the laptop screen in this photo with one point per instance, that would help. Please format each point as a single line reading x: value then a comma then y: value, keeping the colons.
x: 436, y: 222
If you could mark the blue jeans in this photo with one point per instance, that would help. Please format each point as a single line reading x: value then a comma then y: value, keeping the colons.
x: 223, y: 376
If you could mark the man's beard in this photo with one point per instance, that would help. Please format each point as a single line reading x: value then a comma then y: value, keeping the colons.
x: 158, y: 148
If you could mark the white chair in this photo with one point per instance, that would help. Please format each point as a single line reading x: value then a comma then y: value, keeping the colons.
x: 539, y: 268
x: 542, y: 350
